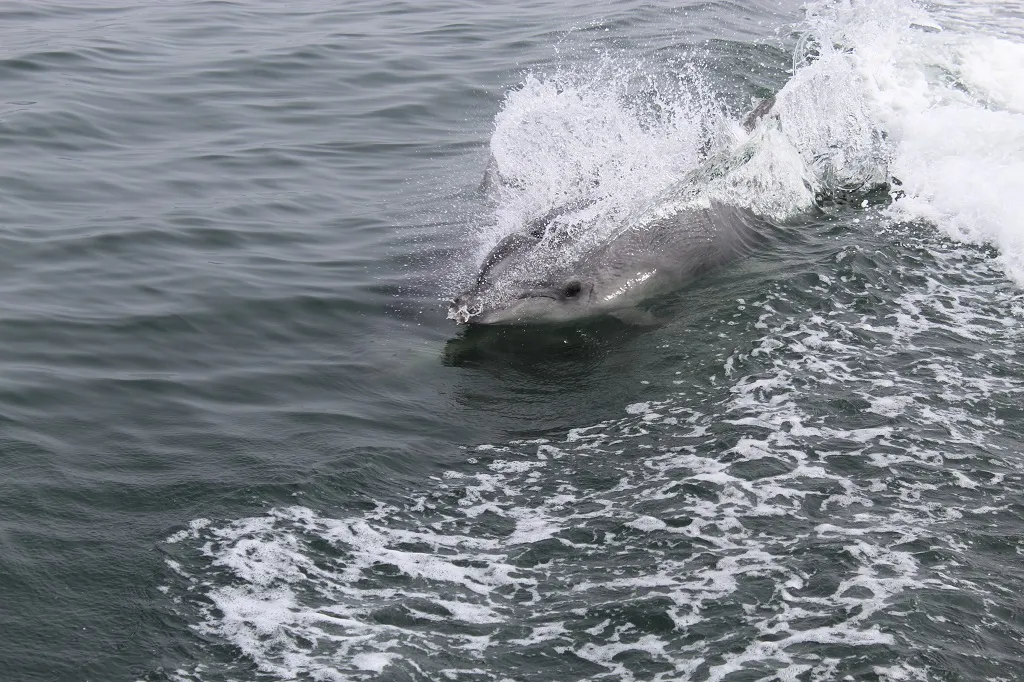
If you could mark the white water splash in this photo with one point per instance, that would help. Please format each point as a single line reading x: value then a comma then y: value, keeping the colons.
x: 951, y: 104
x: 879, y: 91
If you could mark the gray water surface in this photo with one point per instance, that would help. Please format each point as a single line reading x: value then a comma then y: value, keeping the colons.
x: 239, y: 440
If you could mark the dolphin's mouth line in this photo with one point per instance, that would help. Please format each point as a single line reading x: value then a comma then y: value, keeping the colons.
x: 466, y: 308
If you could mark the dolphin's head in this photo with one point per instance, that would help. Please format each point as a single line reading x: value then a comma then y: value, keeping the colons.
x: 523, y: 280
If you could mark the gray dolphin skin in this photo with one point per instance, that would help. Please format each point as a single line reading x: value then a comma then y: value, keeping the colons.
x: 523, y: 279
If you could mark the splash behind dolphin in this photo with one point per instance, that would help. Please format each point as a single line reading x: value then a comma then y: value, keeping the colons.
x: 525, y: 277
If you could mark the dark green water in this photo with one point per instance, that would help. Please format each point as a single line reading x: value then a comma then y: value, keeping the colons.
x: 239, y: 440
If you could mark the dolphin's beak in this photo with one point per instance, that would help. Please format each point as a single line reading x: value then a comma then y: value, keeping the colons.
x: 464, y: 308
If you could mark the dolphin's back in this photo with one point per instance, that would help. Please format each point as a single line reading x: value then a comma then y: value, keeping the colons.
x: 677, y: 248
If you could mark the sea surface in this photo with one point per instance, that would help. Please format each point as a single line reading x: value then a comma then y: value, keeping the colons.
x: 240, y: 441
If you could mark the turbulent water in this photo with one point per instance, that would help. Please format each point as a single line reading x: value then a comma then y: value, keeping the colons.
x: 240, y: 440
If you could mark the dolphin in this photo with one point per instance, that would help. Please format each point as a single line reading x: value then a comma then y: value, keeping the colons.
x: 528, y: 277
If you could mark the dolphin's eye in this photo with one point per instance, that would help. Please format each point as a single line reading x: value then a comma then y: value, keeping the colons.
x: 572, y: 289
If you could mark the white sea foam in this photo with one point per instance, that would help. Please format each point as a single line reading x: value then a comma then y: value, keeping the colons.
x: 794, y: 550
x: 949, y: 104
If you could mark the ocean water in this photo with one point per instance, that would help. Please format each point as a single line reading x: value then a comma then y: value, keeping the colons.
x: 240, y: 441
